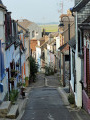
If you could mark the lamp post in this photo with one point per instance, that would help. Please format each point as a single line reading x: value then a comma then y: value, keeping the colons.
x: 61, y: 25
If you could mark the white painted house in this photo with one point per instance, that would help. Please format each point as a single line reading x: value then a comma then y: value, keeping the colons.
x: 38, y: 51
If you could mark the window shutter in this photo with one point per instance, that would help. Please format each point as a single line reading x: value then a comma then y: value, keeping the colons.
x: 1, y: 62
x: 24, y: 70
x: 2, y: 65
x: 0, y: 59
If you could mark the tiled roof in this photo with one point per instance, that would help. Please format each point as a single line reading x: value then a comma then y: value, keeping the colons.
x: 87, y: 20
x: 79, y: 6
x: 21, y: 27
x: 72, y: 42
x: 56, y: 34
x: 85, y: 25
x: 66, y: 48
x: 33, y: 40
x: 62, y: 47
x: 1, y: 5
x: 53, y: 34
x: 25, y: 23
x: 53, y: 41
x: 43, y: 38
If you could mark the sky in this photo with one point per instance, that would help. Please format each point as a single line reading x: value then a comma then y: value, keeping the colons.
x: 39, y: 11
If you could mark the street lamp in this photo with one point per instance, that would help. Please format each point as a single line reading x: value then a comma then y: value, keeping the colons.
x: 61, y: 25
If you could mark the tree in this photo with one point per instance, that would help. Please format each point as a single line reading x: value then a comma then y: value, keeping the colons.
x: 33, y: 68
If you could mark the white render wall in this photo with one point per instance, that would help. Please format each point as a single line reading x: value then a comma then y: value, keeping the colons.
x: 36, y: 28
x: 78, y: 87
x: 78, y: 94
x: 57, y: 43
x: 46, y: 61
x: 72, y: 77
x: 78, y: 91
x: 48, y: 54
x: 38, y: 55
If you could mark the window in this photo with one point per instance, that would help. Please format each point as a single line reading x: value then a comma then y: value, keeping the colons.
x: 36, y: 33
x: 78, y: 41
x: 67, y: 58
x: 2, y: 70
x: 33, y: 33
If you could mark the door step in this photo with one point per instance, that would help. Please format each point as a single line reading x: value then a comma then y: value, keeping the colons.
x: 4, y: 108
x: 14, y: 112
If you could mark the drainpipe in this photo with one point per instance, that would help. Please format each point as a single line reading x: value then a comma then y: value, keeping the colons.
x: 76, y: 34
x: 80, y: 40
x: 20, y: 58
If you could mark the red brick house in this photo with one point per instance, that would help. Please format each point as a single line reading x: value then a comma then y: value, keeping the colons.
x: 33, y: 44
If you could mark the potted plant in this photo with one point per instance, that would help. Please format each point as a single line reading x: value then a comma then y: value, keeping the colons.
x: 13, y: 96
x: 12, y: 72
x: 17, y: 64
x: 19, y: 84
x: 27, y: 81
x: 16, y: 72
x: 20, y: 76
x: 11, y: 79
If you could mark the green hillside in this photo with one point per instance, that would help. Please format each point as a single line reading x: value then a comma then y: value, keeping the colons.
x: 50, y: 28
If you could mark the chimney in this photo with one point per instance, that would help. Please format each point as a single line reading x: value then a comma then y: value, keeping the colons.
x: 1, y: 5
x: 46, y: 38
x: 1, y: 2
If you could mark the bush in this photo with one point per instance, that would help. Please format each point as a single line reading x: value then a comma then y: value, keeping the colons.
x: 33, y: 68
x: 24, y: 84
x: 13, y: 95
x: 26, y: 78
x: 71, y: 99
x: 48, y: 71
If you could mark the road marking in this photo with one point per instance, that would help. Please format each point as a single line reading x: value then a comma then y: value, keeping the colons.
x: 78, y: 116
x: 50, y: 117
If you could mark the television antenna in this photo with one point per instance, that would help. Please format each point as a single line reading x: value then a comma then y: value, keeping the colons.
x: 60, y: 7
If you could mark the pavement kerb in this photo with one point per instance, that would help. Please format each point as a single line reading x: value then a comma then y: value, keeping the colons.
x: 63, y: 95
x: 23, y: 105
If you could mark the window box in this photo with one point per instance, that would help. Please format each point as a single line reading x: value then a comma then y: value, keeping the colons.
x: 11, y: 79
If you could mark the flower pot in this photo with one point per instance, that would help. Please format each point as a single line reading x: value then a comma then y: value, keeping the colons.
x: 27, y: 83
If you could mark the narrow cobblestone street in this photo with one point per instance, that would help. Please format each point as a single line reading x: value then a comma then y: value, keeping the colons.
x: 45, y: 102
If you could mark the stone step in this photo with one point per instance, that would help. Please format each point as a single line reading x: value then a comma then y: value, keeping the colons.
x: 4, y: 108
x: 14, y: 112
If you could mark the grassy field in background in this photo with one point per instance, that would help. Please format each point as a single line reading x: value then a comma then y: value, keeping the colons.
x: 50, y: 28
